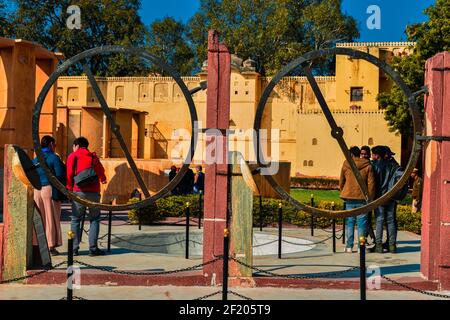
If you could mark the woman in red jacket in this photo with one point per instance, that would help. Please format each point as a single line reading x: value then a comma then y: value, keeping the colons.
x: 84, y: 174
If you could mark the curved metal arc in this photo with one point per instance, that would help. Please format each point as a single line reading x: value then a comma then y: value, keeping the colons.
x: 116, y: 130
x: 417, y: 128
x: 52, y: 80
x: 336, y: 132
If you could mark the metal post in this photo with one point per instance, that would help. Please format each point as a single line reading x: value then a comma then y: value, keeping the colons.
x: 280, y: 228
x: 139, y: 220
x: 343, y: 225
x: 362, y: 267
x: 71, y: 236
x: 82, y: 227
x: 312, y: 217
x: 200, y: 208
x: 226, y: 245
x: 334, y: 229
x: 109, y: 230
x: 187, y: 229
x: 260, y: 214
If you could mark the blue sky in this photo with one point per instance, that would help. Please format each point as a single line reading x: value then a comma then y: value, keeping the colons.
x: 395, y: 15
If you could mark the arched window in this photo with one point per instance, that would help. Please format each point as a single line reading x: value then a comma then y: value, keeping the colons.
x: 305, y: 163
x: 311, y: 163
x: 314, y: 142
x: 370, y: 142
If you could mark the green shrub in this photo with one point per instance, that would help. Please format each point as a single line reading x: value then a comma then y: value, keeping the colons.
x: 175, y: 206
x: 315, y: 183
x: 145, y: 215
x: 172, y: 206
x: 408, y: 221
x: 290, y: 213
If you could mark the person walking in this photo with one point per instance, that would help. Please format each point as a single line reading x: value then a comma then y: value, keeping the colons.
x: 48, y: 199
x: 417, y: 191
x: 84, y: 174
x: 352, y: 195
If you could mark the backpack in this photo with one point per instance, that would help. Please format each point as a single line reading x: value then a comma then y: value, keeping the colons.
x: 396, y: 175
x: 87, y: 176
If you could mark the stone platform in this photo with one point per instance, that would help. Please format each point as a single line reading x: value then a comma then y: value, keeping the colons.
x: 137, y: 250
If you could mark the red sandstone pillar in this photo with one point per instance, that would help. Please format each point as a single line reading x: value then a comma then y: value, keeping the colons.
x: 216, y: 180
x: 435, y: 253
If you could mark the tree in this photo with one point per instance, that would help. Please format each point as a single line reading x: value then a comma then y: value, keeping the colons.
x: 431, y: 37
x: 168, y: 41
x: 5, y: 23
x: 103, y: 22
x: 271, y: 32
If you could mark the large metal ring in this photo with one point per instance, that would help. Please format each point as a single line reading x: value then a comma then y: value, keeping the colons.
x: 417, y: 124
x: 104, y: 51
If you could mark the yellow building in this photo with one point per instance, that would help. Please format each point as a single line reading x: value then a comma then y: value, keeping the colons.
x: 149, y: 110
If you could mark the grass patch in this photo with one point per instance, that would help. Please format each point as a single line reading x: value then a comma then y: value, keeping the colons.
x: 304, y: 195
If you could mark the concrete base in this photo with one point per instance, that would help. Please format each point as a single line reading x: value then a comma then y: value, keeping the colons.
x: 403, y: 266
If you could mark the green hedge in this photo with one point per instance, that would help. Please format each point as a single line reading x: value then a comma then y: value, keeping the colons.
x: 172, y: 206
x: 315, y: 183
x: 175, y: 206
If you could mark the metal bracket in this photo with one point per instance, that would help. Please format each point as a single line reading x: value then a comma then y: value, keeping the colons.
x: 213, y: 131
x: 203, y: 86
x: 423, y: 90
x: 441, y: 69
x: 433, y: 138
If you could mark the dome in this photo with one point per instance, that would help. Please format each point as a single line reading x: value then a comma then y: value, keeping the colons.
x: 249, y: 63
x: 236, y: 61
x: 205, y: 65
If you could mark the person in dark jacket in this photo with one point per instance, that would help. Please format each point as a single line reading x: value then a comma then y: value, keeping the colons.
x: 46, y: 199
x: 352, y: 195
x: 199, y: 181
x: 78, y: 161
x: 384, y: 169
x: 187, y: 183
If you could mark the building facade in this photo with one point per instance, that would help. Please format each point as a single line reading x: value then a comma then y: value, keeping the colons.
x: 154, y: 118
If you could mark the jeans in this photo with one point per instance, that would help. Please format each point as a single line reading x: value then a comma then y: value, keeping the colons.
x: 386, y: 212
x: 361, y: 221
x: 78, y: 211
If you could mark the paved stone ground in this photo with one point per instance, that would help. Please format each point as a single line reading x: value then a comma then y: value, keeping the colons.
x: 39, y: 292
x: 143, y: 256
x: 320, y: 259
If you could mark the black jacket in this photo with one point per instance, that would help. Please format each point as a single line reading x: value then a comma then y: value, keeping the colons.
x: 384, y: 171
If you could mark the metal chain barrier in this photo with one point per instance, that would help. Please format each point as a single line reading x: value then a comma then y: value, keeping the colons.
x: 99, y: 238
x: 265, y: 244
x: 155, y: 245
x: 135, y: 273
x: 33, y: 275
x: 331, y: 231
x: 74, y: 298
x: 438, y: 295
x: 239, y: 295
x: 208, y: 296
x: 310, y: 244
x: 312, y: 276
